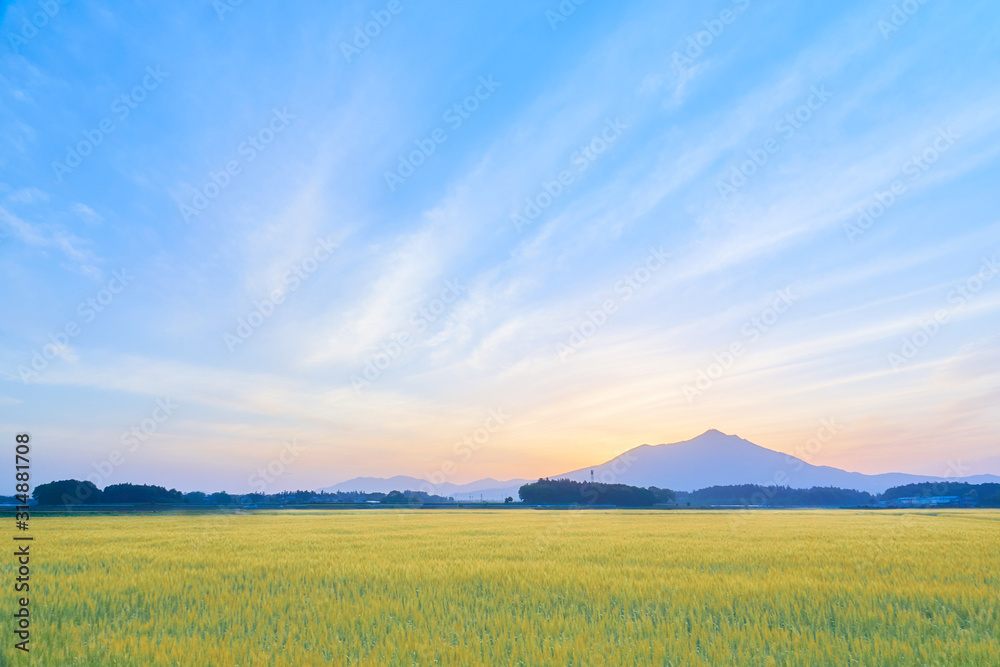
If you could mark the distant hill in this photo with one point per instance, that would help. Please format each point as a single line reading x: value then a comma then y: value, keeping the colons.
x: 489, y: 489
x: 717, y: 459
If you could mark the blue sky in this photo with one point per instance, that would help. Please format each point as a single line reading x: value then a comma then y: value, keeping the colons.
x: 329, y: 254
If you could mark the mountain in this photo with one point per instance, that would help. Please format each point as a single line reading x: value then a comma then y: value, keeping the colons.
x: 488, y: 489
x: 711, y: 459
x: 984, y: 466
x: 714, y: 458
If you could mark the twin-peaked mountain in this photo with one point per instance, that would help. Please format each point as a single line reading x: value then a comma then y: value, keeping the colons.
x: 711, y: 459
x: 717, y: 459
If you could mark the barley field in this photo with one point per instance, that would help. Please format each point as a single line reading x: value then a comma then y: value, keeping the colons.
x: 515, y: 587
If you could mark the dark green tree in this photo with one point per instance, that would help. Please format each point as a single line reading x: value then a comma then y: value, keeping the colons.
x: 398, y: 498
x: 221, y: 498
x: 568, y: 492
x: 141, y: 493
x: 67, y: 492
x: 663, y: 496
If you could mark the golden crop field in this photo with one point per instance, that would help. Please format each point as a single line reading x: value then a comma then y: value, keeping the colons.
x: 516, y: 587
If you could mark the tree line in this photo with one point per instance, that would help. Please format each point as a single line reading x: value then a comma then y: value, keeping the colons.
x: 567, y: 492
x: 754, y: 494
x: 984, y: 495
x: 71, y: 492
x: 545, y: 491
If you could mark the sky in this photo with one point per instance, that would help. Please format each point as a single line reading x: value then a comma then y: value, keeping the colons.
x: 264, y: 247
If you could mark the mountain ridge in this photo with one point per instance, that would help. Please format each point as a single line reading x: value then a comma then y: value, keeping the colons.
x: 489, y: 488
x: 713, y: 458
x: 718, y: 459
